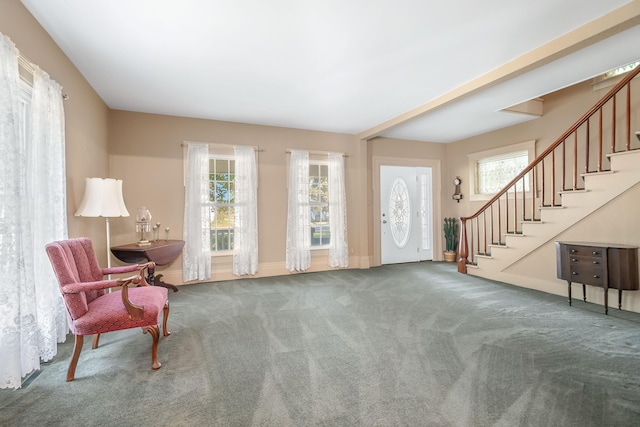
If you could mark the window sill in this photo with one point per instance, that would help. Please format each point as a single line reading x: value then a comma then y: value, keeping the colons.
x: 215, y: 254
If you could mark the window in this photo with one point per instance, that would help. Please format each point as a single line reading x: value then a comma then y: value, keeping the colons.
x: 33, y: 169
x: 612, y: 77
x: 493, y: 174
x: 319, y: 203
x: 493, y: 169
x: 222, y: 196
x: 316, y: 210
x: 621, y: 70
x: 220, y: 216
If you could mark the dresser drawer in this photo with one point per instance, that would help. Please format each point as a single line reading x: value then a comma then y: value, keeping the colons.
x: 585, y: 260
x: 586, y: 251
x: 587, y: 273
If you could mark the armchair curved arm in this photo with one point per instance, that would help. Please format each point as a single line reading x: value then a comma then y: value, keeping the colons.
x: 136, y: 312
x: 120, y: 269
x: 149, y: 266
x: 74, y: 288
x: 127, y: 268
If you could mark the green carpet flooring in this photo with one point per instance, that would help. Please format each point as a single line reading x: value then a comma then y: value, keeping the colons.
x: 400, y: 345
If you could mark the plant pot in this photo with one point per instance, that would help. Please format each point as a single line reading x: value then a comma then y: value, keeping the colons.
x: 450, y: 256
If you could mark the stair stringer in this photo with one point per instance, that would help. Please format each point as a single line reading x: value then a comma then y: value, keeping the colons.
x: 600, y: 188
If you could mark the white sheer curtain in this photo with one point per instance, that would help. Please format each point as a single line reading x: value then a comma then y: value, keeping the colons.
x: 32, y: 213
x: 338, y: 246
x: 196, y: 257
x: 298, y: 257
x: 245, y: 258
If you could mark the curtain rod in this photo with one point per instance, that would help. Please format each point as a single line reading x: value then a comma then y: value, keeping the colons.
x: 259, y: 150
x: 321, y: 153
x: 29, y: 67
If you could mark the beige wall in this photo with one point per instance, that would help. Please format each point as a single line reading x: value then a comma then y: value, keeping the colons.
x: 561, y: 110
x: 146, y: 153
x: 85, y: 114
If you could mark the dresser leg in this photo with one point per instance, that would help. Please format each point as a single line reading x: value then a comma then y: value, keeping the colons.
x: 606, y: 300
x: 569, y: 291
x: 584, y: 293
x: 619, y: 299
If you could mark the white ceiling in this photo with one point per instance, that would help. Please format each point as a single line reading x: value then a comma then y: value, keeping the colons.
x: 330, y: 65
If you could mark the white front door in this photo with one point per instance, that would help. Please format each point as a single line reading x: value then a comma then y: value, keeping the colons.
x: 406, y: 222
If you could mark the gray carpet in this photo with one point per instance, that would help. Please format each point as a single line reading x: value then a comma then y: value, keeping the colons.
x: 411, y: 345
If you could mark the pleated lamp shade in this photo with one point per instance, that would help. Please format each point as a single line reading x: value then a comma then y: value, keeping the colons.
x: 102, y: 197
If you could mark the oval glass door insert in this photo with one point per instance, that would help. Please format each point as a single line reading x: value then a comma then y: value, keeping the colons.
x: 399, y: 217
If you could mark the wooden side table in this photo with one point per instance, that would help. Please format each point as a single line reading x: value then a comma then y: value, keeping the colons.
x: 162, y: 252
x: 598, y: 264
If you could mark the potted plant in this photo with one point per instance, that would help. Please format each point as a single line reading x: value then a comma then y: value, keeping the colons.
x: 450, y: 236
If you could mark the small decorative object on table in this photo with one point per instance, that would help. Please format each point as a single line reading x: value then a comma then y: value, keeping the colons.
x: 143, y: 222
x: 166, y: 230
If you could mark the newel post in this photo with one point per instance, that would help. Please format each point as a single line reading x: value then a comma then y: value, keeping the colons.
x: 464, y: 250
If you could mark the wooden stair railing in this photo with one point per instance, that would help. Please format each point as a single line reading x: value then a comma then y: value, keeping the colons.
x: 554, y: 171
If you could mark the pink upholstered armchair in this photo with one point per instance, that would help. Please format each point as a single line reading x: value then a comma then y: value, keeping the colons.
x: 91, y: 310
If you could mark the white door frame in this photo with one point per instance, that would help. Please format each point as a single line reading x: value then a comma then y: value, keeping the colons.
x: 434, y: 164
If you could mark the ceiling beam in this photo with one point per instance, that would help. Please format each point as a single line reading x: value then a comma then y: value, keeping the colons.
x: 614, y: 22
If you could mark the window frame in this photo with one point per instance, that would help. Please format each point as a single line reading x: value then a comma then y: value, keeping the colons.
x: 495, y: 154
x: 227, y: 157
x: 319, y: 163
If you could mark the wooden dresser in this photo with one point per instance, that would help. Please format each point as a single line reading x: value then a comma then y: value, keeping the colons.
x: 598, y: 264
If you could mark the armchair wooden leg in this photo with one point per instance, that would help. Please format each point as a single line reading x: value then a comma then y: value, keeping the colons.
x: 96, y: 341
x: 164, y: 321
x: 155, y: 336
x: 77, y: 348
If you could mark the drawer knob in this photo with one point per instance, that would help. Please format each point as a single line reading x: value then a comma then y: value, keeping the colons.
x: 574, y: 259
x: 595, y: 252
x: 575, y: 273
x: 595, y: 276
x: 573, y: 251
x: 596, y: 262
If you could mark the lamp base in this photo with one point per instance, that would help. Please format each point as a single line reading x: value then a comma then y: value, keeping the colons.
x: 143, y: 243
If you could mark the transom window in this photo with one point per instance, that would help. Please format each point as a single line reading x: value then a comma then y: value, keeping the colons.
x: 319, y: 203
x: 494, y: 173
x: 222, y: 197
x: 492, y: 170
x: 621, y: 70
x: 611, y: 77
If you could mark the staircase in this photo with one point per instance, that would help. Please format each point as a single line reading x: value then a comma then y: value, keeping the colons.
x: 600, y: 189
x: 595, y: 162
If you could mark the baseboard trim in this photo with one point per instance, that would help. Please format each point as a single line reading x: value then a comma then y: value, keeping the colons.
x: 222, y: 269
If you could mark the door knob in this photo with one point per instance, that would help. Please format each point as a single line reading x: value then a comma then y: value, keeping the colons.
x: 384, y: 221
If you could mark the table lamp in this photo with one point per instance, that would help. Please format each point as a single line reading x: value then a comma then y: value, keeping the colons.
x: 103, y: 197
